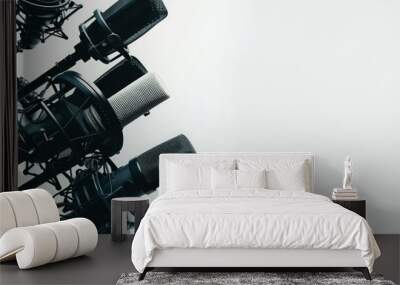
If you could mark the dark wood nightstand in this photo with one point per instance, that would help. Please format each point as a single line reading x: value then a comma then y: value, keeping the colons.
x: 357, y: 206
x: 119, y: 214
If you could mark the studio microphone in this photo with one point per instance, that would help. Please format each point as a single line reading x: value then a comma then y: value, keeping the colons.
x: 121, y: 24
x: 107, y: 33
x: 120, y: 75
x: 39, y: 19
x: 92, y: 191
x: 78, y: 119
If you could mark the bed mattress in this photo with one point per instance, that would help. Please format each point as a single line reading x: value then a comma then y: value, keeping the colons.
x: 250, y: 219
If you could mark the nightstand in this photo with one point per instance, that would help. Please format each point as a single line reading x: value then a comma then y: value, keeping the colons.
x: 119, y: 214
x: 357, y: 206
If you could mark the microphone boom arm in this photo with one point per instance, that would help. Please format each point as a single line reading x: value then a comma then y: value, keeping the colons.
x: 68, y: 62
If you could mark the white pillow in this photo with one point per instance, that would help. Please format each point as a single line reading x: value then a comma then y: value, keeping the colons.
x: 282, y: 174
x: 193, y: 174
x: 186, y: 177
x: 237, y: 179
x: 288, y: 179
x: 223, y: 179
x: 251, y: 178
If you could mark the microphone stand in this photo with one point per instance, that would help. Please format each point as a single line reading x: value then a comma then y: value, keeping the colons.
x: 68, y: 62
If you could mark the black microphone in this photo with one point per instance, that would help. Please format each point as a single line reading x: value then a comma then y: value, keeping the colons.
x: 106, y: 33
x: 120, y: 25
x: 78, y: 119
x: 39, y: 19
x: 93, y: 191
x: 120, y: 75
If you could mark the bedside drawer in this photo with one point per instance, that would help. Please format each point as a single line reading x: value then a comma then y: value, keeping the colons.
x: 357, y: 206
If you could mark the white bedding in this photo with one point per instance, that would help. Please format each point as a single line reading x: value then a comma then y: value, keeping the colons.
x: 251, y: 218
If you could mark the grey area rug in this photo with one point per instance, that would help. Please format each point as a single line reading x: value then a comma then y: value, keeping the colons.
x: 269, y: 278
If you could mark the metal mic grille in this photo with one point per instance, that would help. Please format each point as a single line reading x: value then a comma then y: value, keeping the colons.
x: 137, y: 98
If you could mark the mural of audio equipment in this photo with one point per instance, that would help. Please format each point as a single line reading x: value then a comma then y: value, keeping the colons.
x: 70, y: 127
x: 90, y: 194
x: 37, y: 20
x: 105, y: 34
x: 78, y: 120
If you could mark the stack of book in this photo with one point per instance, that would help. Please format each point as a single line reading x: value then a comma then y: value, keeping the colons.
x: 344, y: 194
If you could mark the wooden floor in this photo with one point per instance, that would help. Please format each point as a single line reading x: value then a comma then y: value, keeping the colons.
x: 103, y: 266
x: 389, y: 262
x: 110, y: 260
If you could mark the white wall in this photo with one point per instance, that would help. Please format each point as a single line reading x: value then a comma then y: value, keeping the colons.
x: 311, y: 75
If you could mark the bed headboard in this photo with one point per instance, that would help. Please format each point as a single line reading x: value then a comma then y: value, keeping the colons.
x: 217, y: 156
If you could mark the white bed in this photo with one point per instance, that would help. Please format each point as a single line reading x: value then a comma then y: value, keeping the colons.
x: 249, y: 227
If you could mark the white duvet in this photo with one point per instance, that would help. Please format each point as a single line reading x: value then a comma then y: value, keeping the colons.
x: 250, y: 219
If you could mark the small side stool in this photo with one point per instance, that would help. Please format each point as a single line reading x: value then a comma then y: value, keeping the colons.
x: 119, y: 214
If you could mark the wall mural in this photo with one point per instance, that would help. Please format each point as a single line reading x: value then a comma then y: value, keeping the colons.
x: 71, y: 127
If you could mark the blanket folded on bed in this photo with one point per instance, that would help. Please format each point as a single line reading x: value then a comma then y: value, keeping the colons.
x: 252, y: 218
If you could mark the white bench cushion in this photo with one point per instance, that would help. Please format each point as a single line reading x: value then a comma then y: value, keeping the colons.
x: 40, y: 244
x: 26, y: 208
